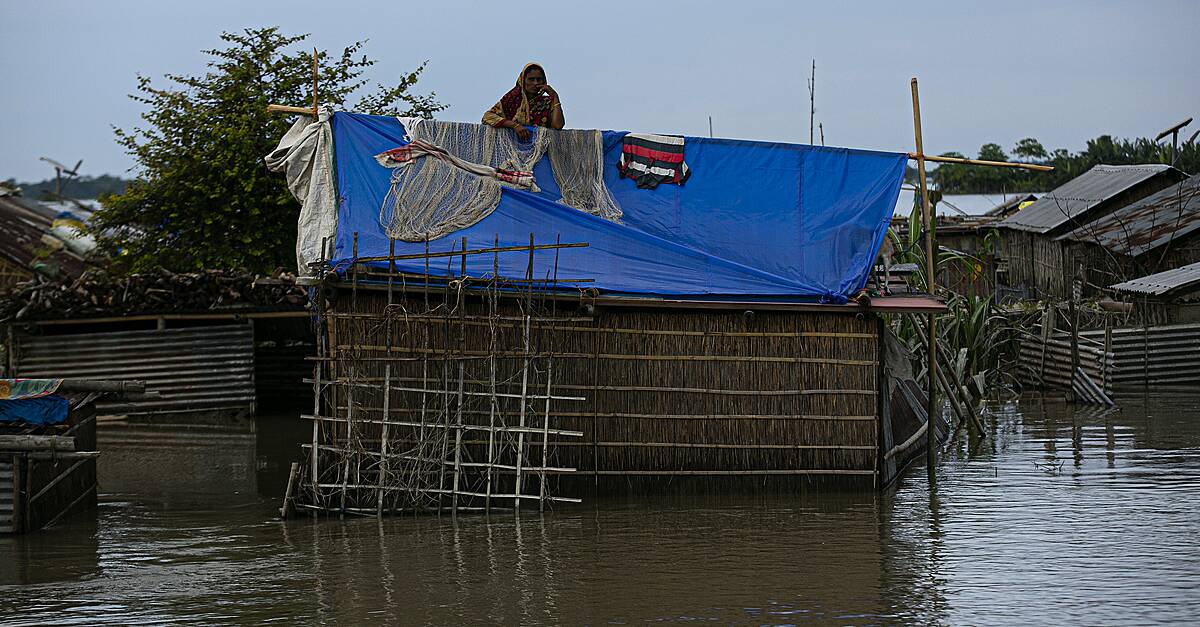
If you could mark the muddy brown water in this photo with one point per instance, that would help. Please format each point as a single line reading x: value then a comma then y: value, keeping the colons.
x: 1064, y: 516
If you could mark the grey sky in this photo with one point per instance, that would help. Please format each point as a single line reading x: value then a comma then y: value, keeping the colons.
x: 1063, y: 72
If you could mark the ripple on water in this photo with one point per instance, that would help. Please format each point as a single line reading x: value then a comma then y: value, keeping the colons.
x: 1061, y: 517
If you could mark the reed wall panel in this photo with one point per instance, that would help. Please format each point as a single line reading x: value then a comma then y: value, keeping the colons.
x: 684, y: 392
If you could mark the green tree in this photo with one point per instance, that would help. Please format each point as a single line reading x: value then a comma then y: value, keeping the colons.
x: 1030, y: 149
x: 202, y: 197
x: 992, y: 152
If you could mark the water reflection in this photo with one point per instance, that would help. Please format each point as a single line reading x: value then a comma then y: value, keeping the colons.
x: 1062, y: 516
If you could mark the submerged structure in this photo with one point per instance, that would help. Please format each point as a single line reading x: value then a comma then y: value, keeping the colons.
x: 503, y: 322
x: 47, y: 451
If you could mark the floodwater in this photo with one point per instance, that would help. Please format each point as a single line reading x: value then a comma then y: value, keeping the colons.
x: 1063, y: 517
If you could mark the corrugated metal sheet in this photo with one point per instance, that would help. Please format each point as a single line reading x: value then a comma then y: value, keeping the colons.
x: 1149, y: 223
x: 1166, y: 355
x: 193, y: 369
x: 1082, y: 194
x: 1054, y: 370
x: 1174, y: 280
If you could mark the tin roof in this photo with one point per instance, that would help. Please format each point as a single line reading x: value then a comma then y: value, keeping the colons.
x: 1174, y: 280
x: 1142, y: 226
x: 1070, y: 201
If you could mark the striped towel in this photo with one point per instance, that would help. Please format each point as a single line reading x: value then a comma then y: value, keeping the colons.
x: 651, y: 160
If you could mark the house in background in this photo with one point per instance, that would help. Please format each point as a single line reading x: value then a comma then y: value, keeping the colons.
x: 1146, y: 237
x: 38, y: 239
x: 1035, y: 260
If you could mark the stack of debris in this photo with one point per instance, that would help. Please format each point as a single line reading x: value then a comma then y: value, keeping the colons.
x: 97, y: 293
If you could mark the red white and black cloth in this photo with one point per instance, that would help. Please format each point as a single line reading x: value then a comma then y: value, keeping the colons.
x: 651, y: 160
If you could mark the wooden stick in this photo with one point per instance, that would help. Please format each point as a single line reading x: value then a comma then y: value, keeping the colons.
x: 927, y: 219
x: 62, y: 475
x: 524, y: 373
x: 465, y: 427
x: 62, y: 455
x: 624, y: 331
x: 718, y: 473
x: 546, y: 413
x: 492, y: 401
x: 36, y: 443
x: 293, y: 475
x: 286, y: 109
x: 917, y: 156
x: 462, y: 343
x: 476, y: 251
x: 562, y: 499
x: 314, y: 94
x: 912, y: 439
x: 348, y: 383
x: 636, y: 388
x: 619, y: 357
x: 587, y: 414
x: 90, y: 385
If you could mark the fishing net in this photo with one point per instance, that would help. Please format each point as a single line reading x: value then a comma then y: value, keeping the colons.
x: 578, y: 161
x: 432, y: 197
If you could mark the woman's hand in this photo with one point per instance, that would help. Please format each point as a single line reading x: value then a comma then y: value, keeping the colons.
x: 549, y: 91
x: 521, y: 131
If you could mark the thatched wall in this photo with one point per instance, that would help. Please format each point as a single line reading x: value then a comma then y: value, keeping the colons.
x: 672, y: 396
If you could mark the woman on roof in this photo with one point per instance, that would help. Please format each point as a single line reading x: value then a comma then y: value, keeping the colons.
x: 531, y: 102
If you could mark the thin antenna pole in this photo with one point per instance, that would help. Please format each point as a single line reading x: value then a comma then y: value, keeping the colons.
x: 821, y: 127
x: 927, y: 223
x: 710, y: 134
x: 812, y: 100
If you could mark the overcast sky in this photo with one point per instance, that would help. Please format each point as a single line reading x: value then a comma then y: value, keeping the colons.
x: 1063, y: 72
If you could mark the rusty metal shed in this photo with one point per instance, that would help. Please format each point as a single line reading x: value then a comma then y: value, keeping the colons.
x: 1089, y: 195
x: 1041, y: 266
x: 1167, y: 216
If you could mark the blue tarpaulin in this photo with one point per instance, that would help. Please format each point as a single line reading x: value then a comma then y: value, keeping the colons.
x: 755, y: 219
x: 44, y: 410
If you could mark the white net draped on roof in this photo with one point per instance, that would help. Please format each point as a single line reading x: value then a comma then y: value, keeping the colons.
x: 431, y: 197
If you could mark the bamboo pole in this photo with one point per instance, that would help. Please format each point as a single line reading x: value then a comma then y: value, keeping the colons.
x: 461, y: 305
x: 287, y: 109
x: 492, y: 401
x: 524, y: 373
x: 384, y: 468
x: 475, y: 251
x: 546, y: 413
x: 927, y: 218
x: 36, y: 443
x: 918, y: 156
x: 314, y: 74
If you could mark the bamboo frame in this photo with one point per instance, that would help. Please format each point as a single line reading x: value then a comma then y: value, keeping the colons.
x: 394, y: 434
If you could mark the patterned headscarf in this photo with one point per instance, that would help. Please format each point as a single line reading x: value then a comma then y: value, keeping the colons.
x: 517, y: 107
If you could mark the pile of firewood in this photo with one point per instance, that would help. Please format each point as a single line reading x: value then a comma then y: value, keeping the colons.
x: 98, y: 294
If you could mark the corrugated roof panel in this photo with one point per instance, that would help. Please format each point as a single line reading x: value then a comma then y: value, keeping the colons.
x: 1144, y: 225
x: 1175, y: 279
x: 1080, y: 195
x: 192, y: 369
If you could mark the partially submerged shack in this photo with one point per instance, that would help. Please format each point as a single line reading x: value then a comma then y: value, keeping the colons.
x: 1035, y: 258
x: 47, y: 451
x: 701, y: 336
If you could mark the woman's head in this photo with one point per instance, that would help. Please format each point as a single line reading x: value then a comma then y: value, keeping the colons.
x: 532, y: 79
